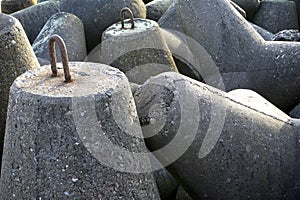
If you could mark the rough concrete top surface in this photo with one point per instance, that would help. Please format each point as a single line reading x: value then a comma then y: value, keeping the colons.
x: 86, y: 80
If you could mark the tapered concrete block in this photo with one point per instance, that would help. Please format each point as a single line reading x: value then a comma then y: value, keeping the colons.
x: 236, y: 145
x: 35, y: 17
x: 140, y: 52
x: 16, y: 58
x: 70, y: 28
x: 155, y: 9
x: 243, y: 58
x: 277, y: 15
x: 62, y: 138
x: 97, y: 15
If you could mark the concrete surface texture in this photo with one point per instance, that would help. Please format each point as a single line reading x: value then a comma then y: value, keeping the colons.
x: 52, y: 143
x: 241, y: 147
x: 243, y: 57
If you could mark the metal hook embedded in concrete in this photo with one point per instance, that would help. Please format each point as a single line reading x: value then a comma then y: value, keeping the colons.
x: 64, y: 56
x: 123, y: 10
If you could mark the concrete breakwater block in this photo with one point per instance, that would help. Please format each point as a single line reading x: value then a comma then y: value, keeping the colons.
x: 11, y: 6
x: 243, y: 58
x: 136, y: 47
x: 35, y: 17
x: 277, y: 15
x: 70, y: 28
x: 97, y: 15
x: 66, y: 136
x: 155, y: 9
x: 16, y: 58
x: 227, y: 148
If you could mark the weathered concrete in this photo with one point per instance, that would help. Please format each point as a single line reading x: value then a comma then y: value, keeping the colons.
x: 140, y: 52
x: 16, y: 57
x: 155, y: 9
x: 243, y: 58
x: 97, y: 15
x: 238, y: 150
x: 277, y: 15
x: 35, y: 17
x: 10, y: 6
x: 70, y: 28
x: 61, y: 138
x: 250, y: 6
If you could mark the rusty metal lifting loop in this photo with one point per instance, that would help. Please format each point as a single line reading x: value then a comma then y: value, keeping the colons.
x: 64, y: 56
x: 123, y: 10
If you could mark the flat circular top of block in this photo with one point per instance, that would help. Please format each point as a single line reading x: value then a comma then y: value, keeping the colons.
x: 140, y: 25
x: 88, y: 78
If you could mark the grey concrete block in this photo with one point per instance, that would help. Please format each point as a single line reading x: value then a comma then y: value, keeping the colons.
x: 140, y: 52
x: 277, y: 15
x: 35, y: 17
x: 16, y: 58
x: 243, y: 58
x: 61, y: 137
x: 70, y: 28
x: 155, y: 9
x: 234, y: 149
x: 97, y: 15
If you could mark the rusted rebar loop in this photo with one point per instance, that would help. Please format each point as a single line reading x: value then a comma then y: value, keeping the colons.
x: 122, y: 13
x: 64, y: 57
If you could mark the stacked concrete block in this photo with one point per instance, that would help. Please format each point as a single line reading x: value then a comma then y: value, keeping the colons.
x: 35, y: 17
x: 97, y: 15
x: 275, y: 16
x: 70, y: 28
x: 242, y: 56
x: 64, y: 128
x: 16, y: 57
x: 136, y: 47
x: 238, y: 145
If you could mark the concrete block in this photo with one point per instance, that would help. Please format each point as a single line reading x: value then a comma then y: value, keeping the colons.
x: 74, y: 137
x: 16, y: 57
x: 220, y: 145
x: 139, y: 52
x: 35, y: 17
x: 277, y: 15
x: 70, y: 28
x: 155, y: 9
x: 97, y: 15
x: 243, y: 58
